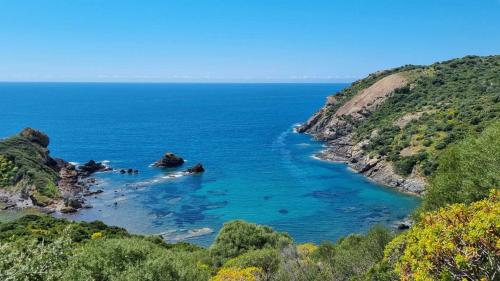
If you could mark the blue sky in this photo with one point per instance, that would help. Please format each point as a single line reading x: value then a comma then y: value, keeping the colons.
x: 236, y: 40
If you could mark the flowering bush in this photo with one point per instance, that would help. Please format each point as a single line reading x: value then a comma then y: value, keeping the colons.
x: 236, y: 274
x: 459, y: 242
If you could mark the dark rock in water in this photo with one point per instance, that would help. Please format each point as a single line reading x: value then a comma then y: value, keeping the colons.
x: 267, y: 197
x: 35, y: 136
x: 198, y: 168
x: 403, y: 226
x: 283, y: 211
x: 92, y: 192
x: 122, y: 171
x: 130, y: 171
x: 169, y: 160
x: 91, y: 167
x: 136, y: 171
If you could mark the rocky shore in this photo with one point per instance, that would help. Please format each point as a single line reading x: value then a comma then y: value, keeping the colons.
x: 335, y: 124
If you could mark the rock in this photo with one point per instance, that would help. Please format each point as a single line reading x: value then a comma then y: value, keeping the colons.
x: 136, y: 171
x: 91, y: 167
x: 67, y: 209
x: 403, y: 226
x: 169, y: 160
x: 283, y: 211
x: 60, y: 163
x: 35, y: 136
x: 75, y: 203
x: 92, y: 192
x: 122, y: 171
x: 130, y: 171
x: 198, y: 168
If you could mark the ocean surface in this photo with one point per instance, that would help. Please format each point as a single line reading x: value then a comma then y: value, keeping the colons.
x: 257, y: 168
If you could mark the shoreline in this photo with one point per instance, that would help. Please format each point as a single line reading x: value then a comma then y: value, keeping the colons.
x: 377, y: 170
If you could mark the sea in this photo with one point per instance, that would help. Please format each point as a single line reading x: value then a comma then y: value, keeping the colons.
x: 257, y: 168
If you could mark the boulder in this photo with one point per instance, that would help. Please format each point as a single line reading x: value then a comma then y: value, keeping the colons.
x: 169, y: 160
x: 198, y: 168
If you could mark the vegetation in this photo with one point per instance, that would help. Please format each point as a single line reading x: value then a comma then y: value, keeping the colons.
x: 466, y: 171
x: 25, y: 166
x: 459, y: 242
x: 444, y: 103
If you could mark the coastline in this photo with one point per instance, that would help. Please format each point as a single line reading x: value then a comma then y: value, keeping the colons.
x: 377, y: 170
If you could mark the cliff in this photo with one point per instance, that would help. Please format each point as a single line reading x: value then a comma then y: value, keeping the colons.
x: 393, y: 125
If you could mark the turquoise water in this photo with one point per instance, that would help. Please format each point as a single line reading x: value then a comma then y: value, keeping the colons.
x: 257, y: 168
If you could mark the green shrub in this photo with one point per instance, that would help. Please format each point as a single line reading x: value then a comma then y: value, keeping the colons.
x: 404, y: 166
x: 238, y: 237
x: 466, y: 171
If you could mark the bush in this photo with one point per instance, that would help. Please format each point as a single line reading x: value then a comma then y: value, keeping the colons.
x: 238, y: 237
x: 466, y: 171
x: 405, y: 165
x: 459, y: 242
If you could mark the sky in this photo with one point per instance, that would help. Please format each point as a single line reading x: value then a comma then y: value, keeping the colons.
x: 236, y: 40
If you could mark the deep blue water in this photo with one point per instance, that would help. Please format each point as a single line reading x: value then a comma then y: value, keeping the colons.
x: 257, y: 168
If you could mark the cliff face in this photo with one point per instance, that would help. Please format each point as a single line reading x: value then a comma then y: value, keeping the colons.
x: 393, y: 125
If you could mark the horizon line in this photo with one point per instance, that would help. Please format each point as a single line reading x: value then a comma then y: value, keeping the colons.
x: 347, y: 81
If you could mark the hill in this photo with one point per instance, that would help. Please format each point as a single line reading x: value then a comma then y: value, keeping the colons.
x: 394, y: 125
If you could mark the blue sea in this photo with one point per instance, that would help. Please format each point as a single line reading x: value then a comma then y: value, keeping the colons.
x: 257, y: 168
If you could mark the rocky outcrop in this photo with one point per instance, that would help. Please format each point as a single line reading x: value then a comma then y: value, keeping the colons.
x: 169, y: 160
x: 35, y: 136
x: 38, y: 180
x: 198, y: 168
x: 336, y: 128
x: 91, y: 167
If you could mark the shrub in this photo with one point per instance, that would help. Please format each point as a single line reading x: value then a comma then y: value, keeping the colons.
x: 459, y: 242
x: 404, y: 166
x: 238, y: 237
x: 466, y: 171
x: 236, y: 274
x: 266, y: 259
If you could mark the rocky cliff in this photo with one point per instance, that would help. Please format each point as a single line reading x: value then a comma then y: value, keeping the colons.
x: 393, y: 125
x: 30, y: 177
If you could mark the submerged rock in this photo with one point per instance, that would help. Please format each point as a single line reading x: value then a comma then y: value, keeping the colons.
x: 198, y: 168
x: 169, y: 160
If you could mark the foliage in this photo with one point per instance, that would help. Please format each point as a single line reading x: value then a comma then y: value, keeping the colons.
x: 131, y: 259
x: 267, y: 259
x: 33, y: 167
x: 459, y: 242
x: 466, y: 171
x: 238, y: 237
x: 46, y: 228
x: 7, y: 172
x: 34, y: 260
x: 236, y: 274
x: 356, y: 254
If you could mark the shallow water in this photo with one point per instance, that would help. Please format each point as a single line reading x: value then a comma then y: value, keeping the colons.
x: 257, y: 168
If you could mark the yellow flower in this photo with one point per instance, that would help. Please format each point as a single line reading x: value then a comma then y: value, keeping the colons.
x: 96, y: 235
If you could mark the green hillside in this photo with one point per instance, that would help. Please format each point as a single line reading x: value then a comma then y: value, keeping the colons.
x: 444, y: 103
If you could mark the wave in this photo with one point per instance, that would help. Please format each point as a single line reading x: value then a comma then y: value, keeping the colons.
x: 303, y: 144
x: 295, y: 127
